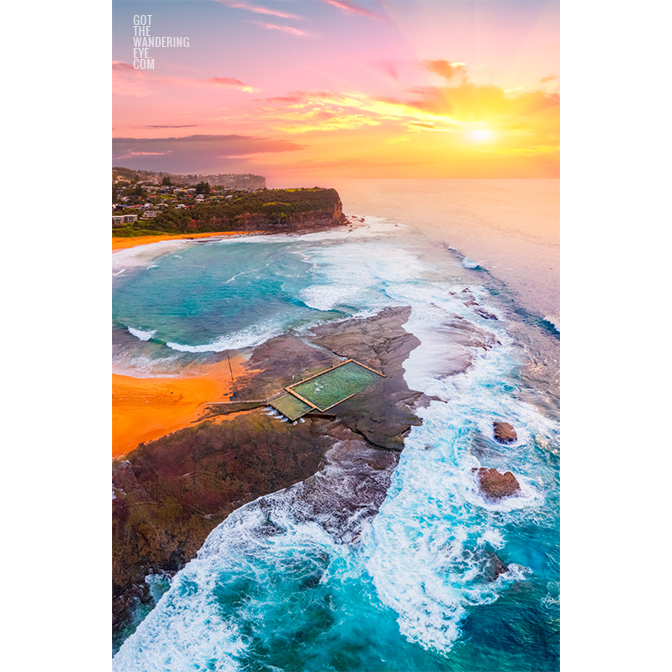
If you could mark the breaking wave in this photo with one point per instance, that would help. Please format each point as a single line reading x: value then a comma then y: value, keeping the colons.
x: 142, y: 335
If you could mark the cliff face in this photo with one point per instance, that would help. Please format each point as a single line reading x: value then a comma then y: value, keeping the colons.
x: 273, y: 210
x: 292, y: 221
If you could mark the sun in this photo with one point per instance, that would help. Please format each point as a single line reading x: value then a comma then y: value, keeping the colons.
x: 480, y: 134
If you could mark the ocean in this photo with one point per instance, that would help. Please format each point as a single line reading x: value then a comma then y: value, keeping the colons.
x: 417, y: 590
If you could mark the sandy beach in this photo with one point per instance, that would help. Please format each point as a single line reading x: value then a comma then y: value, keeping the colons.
x: 145, y: 409
x: 125, y: 243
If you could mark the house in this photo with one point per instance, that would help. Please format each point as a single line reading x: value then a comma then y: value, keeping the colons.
x: 150, y: 213
x: 120, y: 220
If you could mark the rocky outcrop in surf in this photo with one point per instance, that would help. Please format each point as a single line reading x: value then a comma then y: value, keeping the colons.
x: 496, y: 486
x: 504, y: 432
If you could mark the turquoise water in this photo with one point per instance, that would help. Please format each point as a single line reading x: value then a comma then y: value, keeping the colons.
x: 418, y: 591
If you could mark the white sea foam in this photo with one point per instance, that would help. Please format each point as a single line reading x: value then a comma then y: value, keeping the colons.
x: 427, y: 546
x: 143, y: 335
x: 467, y: 263
x: 328, y: 297
x: 552, y: 598
x: 141, y: 366
x: 184, y: 631
x: 554, y: 320
x: 141, y: 255
x: 245, y: 338
x: 492, y: 537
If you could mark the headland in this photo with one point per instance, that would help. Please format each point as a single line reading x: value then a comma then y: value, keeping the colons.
x: 171, y: 492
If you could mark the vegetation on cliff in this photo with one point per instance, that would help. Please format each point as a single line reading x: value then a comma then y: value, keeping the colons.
x: 277, y: 209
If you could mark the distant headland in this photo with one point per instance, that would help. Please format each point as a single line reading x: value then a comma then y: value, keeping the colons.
x: 146, y: 203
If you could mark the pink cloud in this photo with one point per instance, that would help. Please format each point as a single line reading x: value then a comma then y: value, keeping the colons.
x: 389, y: 68
x: 258, y: 10
x: 446, y: 69
x: 197, y: 152
x: 127, y: 81
x: 349, y: 8
x: 284, y: 29
x: 130, y: 155
x: 224, y: 81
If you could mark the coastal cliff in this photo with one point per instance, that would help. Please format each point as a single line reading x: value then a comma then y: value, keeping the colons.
x: 267, y: 210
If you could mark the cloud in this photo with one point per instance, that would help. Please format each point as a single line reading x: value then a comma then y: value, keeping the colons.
x: 349, y: 8
x: 389, y: 68
x: 220, y: 82
x: 195, y: 153
x: 304, y: 111
x: 284, y: 29
x: 170, y: 126
x: 446, y: 69
x: 329, y: 122
x: 127, y: 81
x: 550, y: 78
x: 521, y: 120
x: 258, y: 10
x: 133, y: 154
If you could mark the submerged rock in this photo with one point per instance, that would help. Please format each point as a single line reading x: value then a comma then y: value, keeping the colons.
x: 504, y: 432
x: 496, y: 486
x: 486, y: 314
x: 495, y: 568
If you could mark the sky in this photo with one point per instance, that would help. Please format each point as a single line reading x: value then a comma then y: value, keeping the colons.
x: 340, y: 88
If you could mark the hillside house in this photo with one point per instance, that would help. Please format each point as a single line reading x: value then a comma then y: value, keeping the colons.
x: 121, y: 220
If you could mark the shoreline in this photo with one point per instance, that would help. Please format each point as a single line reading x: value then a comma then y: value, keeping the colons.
x: 146, y: 409
x: 122, y: 243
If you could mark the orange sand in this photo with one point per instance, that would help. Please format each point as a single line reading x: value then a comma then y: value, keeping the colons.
x: 124, y: 243
x: 145, y: 409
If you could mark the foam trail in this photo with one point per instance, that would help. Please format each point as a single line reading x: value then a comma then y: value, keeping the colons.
x: 245, y: 338
x: 143, y: 335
